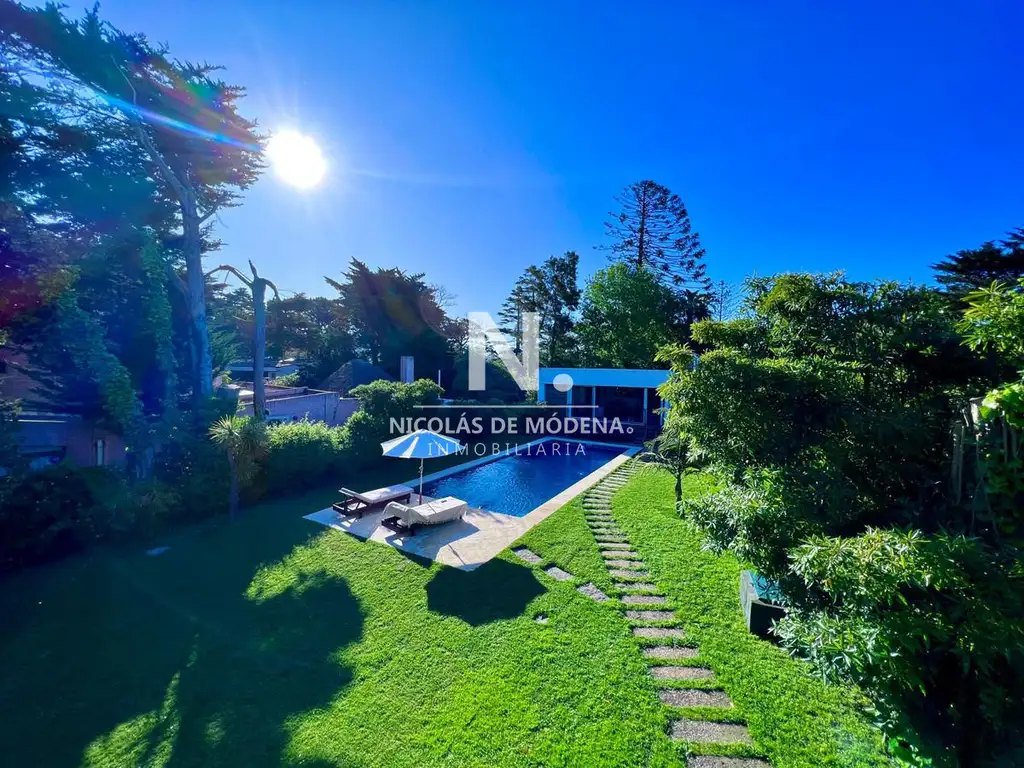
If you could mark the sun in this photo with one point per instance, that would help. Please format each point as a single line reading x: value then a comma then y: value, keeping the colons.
x: 296, y: 159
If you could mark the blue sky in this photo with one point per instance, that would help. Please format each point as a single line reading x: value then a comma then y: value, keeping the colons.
x: 468, y: 140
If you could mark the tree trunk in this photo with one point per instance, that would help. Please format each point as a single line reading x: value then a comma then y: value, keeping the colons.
x: 193, y: 247
x: 259, y: 348
x: 232, y: 488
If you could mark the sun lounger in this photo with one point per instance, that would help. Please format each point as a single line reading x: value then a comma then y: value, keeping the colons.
x: 405, y: 519
x: 358, y: 503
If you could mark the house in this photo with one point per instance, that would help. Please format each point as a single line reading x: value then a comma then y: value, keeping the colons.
x: 627, y: 394
x: 241, y: 370
x: 352, y: 374
x: 297, y: 403
x: 48, y: 433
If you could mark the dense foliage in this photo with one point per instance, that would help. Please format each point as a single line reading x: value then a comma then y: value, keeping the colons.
x: 828, y: 413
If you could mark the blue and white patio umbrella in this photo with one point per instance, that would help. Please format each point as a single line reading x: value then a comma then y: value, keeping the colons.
x: 421, y: 444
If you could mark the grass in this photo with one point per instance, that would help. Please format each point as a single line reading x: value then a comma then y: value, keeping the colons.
x: 274, y: 641
x: 796, y: 720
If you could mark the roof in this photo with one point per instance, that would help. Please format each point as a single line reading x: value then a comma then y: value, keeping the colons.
x: 352, y: 374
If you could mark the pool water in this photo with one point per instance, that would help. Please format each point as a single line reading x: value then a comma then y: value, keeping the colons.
x: 519, y: 483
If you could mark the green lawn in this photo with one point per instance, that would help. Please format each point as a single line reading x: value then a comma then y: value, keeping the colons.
x: 274, y: 641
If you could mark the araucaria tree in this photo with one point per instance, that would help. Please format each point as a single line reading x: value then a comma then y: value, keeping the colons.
x: 652, y: 230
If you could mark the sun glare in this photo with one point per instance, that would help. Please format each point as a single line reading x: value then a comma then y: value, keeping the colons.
x: 296, y: 159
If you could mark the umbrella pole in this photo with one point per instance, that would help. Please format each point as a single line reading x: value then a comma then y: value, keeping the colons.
x: 421, y: 481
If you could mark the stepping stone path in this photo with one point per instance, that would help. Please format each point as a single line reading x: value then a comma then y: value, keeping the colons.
x: 557, y: 573
x: 714, y: 761
x: 661, y: 644
x: 524, y: 554
x: 593, y: 592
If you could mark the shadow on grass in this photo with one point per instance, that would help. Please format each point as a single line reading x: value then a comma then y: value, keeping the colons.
x: 496, y: 590
x: 136, y: 661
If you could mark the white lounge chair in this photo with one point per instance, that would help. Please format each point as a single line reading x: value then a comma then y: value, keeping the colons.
x: 358, y: 503
x: 405, y: 519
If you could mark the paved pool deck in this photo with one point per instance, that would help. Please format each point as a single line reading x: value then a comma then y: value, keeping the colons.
x: 468, y: 543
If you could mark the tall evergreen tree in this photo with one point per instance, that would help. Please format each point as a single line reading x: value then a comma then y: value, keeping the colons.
x: 552, y: 291
x: 178, y: 121
x: 652, y: 230
x: 974, y: 268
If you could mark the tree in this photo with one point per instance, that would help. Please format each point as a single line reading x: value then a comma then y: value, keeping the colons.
x: 976, y: 268
x: 244, y: 439
x: 723, y: 300
x: 827, y: 416
x: 183, y: 120
x: 627, y: 316
x: 552, y: 291
x: 391, y: 314
x: 258, y: 286
x: 652, y: 230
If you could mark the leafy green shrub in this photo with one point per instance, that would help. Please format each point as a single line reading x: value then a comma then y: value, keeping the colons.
x: 379, y: 403
x: 53, y: 512
x: 827, y: 413
x: 303, y: 454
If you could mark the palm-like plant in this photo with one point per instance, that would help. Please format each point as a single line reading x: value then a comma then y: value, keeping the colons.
x: 671, y: 451
x: 245, y: 441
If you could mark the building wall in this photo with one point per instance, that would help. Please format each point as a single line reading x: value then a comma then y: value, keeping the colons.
x: 604, y: 377
x: 315, y: 406
x: 44, y: 433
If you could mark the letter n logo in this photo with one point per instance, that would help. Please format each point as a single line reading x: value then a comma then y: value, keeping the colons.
x: 483, y: 331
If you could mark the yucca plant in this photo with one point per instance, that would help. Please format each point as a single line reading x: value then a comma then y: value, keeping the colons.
x: 244, y: 438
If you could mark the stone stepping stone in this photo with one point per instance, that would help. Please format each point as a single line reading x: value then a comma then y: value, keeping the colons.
x: 624, y: 563
x: 693, y: 697
x: 621, y: 573
x: 557, y: 573
x: 643, y: 599
x: 637, y: 586
x: 716, y: 761
x: 706, y: 732
x: 622, y: 554
x: 658, y: 632
x: 611, y: 538
x: 615, y: 546
x: 592, y: 592
x: 681, y: 673
x: 670, y: 652
x: 524, y: 554
x: 651, y: 615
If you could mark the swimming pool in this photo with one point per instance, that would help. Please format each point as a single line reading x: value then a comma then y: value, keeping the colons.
x: 517, y: 483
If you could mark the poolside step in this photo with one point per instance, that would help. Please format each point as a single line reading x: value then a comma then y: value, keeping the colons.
x: 693, y: 697
x: 716, y: 761
x: 524, y: 554
x: 706, y: 732
x: 651, y: 615
x: 592, y: 592
x: 622, y: 573
x: 658, y: 632
x: 643, y: 599
x: 681, y: 673
x: 557, y: 573
x: 670, y: 652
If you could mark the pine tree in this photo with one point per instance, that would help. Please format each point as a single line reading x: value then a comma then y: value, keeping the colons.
x: 552, y: 291
x: 652, y: 230
x: 974, y: 268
